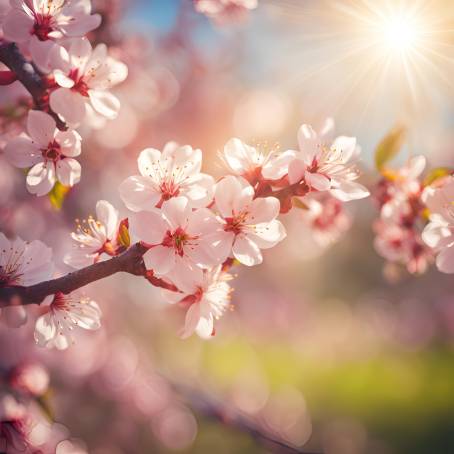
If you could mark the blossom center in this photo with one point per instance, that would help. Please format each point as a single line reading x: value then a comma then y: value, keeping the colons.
x: 80, y: 86
x: 42, y: 26
x: 52, y: 152
x: 177, y: 240
x: 168, y: 190
x: 236, y: 223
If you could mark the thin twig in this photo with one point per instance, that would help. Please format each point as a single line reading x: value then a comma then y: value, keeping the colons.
x: 30, y: 78
x: 211, y: 408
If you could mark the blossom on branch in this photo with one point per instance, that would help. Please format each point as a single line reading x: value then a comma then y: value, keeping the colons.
x: 248, y: 224
x: 207, y: 293
x: 327, y: 167
x: 179, y: 238
x: 84, y: 77
x: 249, y: 162
x: 439, y: 232
x: 41, y: 24
x: 96, y: 237
x: 65, y: 312
x: 173, y: 172
x: 24, y: 263
x: 48, y: 151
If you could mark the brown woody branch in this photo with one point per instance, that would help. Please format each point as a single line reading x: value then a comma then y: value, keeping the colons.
x: 29, y: 77
x: 129, y: 262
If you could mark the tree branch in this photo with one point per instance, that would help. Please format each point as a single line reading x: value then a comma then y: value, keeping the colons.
x: 129, y: 262
x: 29, y: 77
x: 211, y: 408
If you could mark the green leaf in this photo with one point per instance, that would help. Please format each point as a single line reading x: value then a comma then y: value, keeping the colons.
x: 436, y: 174
x: 389, y: 147
x: 57, y: 195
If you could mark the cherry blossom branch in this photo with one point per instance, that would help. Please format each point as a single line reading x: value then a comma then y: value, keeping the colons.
x: 129, y: 262
x: 29, y: 77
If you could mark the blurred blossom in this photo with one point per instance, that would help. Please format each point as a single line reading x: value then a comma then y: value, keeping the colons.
x: 175, y: 427
x: 344, y: 437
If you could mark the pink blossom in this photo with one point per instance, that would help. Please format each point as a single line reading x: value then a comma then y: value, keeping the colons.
x: 65, y: 312
x: 249, y: 224
x: 224, y: 11
x: 249, y: 162
x: 42, y: 23
x: 31, y: 378
x: 173, y: 172
x: 95, y: 238
x: 15, y: 425
x: 326, y: 219
x: 84, y: 76
x: 326, y: 167
x: 24, y: 263
x: 180, y: 238
x: 439, y: 232
x: 48, y: 151
x: 208, y: 294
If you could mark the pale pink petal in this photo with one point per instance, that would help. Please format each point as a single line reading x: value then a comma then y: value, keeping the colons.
x: 40, y: 52
x: 276, y: 166
x: 445, y: 260
x: 69, y: 104
x: 246, y: 251
x: 268, y: 234
x: 345, y: 146
x: 81, y: 25
x: 232, y: 194
x: 317, y: 181
x: 437, y: 235
x: 263, y: 209
x: 22, y: 152
x: 177, y: 212
x: 349, y: 190
x: 70, y: 143
x: 139, y: 193
x: 45, y: 330
x: 68, y: 171
x: 79, y: 53
x: 205, y: 326
x: 41, y: 127
x: 148, y: 161
x: 239, y: 156
x: 104, y: 103
x: 160, y: 259
x: 17, y: 26
x: 308, y: 141
x: 191, y: 320
x: 199, y: 190
x: 148, y: 226
x: 62, y: 79
x: 296, y: 170
x: 41, y: 179
x: 107, y: 214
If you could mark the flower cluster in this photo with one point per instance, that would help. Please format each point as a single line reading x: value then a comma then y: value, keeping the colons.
x: 439, y: 232
x: 195, y: 229
x: 225, y: 11
x: 76, y: 81
x: 398, y: 230
x: 191, y: 228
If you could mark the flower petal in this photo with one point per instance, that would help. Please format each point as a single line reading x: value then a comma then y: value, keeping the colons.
x: 68, y: 171
x: 246, y: 251
x: 41, y: 127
